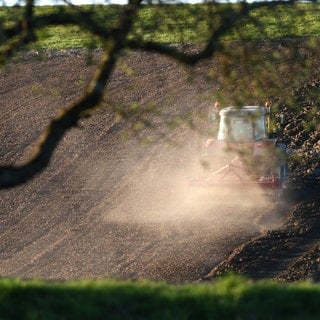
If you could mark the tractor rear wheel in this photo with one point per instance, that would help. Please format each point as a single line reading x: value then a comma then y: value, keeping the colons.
x: 280, y: 173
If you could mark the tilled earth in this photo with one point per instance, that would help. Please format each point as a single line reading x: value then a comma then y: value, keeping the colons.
x: 111, y: 205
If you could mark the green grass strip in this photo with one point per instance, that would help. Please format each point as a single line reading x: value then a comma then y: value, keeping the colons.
x: 189, y: 23
x: 230, y: 297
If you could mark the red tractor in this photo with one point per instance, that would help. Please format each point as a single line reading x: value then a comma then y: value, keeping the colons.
x: 243, y: 154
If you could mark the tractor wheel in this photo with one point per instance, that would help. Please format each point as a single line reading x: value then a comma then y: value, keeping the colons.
x: 276, y: 192
x: 280, y: 172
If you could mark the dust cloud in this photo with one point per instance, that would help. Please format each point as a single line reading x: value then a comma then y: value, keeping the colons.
x: 148, y: 221
x: 154, y: 185
x: 128, y: 211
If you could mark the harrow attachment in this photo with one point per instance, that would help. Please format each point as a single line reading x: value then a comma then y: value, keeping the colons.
x: 237, y: 176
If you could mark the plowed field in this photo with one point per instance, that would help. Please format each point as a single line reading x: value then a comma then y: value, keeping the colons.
x: 110, y: 205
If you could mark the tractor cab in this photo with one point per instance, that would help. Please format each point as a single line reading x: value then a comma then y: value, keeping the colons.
x: 242, y: 125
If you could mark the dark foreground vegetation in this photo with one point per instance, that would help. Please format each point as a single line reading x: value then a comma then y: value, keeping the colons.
x: 228, y: 298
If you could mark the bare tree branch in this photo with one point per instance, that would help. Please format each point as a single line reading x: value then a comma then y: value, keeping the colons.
x: 68, y: 118
x: 115, y: 39
x: 230, y: 19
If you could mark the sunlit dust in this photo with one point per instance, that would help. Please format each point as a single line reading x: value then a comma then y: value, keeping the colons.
x: 159, y: 190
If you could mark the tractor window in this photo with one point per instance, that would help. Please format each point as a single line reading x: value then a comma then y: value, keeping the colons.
x: 259, y: 128
x: 243, y: 128
x: 236, y: 129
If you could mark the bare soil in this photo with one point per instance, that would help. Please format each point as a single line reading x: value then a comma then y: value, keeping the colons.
x: 111, y: 205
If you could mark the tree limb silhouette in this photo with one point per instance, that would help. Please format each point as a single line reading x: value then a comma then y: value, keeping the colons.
x: 114, y: 39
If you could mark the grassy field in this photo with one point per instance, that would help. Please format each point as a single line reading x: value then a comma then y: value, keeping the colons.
x: 176, y: 24
x: 229, y: 298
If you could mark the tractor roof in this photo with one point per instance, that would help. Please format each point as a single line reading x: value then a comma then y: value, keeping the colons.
x: 257, y: 110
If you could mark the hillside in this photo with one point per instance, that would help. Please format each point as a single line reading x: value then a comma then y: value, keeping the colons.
x: 110, y: 205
